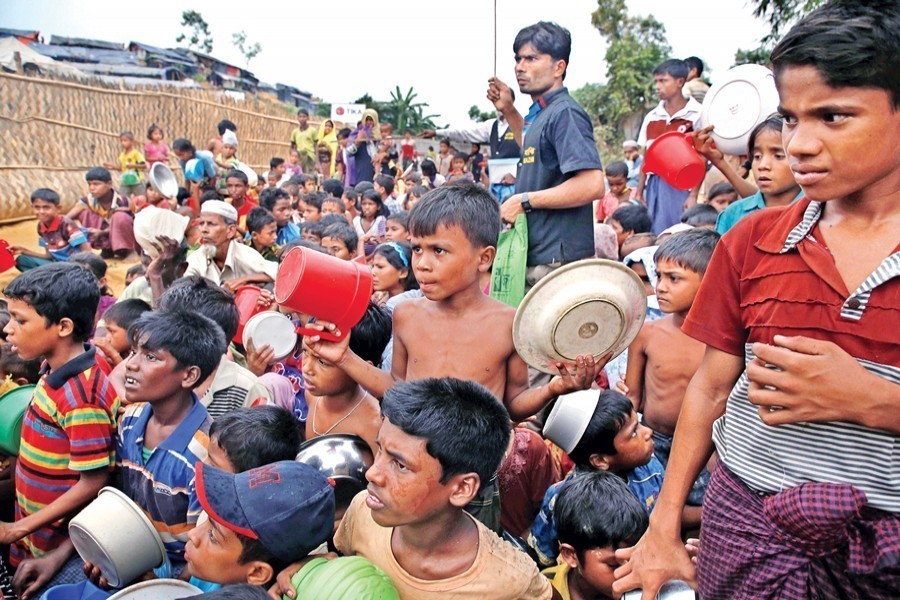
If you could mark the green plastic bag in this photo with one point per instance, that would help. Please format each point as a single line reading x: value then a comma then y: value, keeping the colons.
x: 508, y: 274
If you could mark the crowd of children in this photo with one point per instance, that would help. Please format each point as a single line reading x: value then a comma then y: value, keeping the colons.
x: 156, y: 393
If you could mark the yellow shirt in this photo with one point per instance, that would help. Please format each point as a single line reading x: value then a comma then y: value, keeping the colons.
x: 305, y: 141
x: 134, y: 157
x: 559, y: 579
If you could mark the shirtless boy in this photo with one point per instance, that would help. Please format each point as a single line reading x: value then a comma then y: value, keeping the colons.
x: 662, y: 360
x: 456, y: 330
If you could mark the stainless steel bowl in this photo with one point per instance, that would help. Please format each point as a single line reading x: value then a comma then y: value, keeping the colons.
x: 671, y: 590
x: 344, y: 458
x: 163, y: 180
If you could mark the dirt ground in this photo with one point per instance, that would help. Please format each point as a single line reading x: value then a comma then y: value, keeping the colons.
x: 24, y: 233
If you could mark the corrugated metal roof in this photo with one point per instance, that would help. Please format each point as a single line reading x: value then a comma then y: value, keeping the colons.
x: 60, y: 40
x: 82, y: 54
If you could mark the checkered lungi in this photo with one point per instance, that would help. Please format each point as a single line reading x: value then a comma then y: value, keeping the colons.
x: 817, y: 541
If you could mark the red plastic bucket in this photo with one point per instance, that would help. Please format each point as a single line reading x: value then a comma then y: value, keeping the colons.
x: 324, y: 287
x: 672, y: 157
x: 245, y: 298
x: 7, y: 260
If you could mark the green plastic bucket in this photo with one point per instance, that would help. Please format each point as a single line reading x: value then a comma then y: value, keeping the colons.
x: 341, y: 578
x: 13, y: 405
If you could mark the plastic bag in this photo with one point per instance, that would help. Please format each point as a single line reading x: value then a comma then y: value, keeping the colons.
x: 129, y: 178
x: 508, y: 274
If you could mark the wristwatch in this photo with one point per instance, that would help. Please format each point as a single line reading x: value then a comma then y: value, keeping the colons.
x: 526, y: 205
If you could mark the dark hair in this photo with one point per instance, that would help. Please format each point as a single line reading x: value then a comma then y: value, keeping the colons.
x: 137, y: 270
x: 418, y: 191
x: 200, y: 295
x: 301, y: 179
x: 547, y: 38
x: 257, y: 436
x: 92, y: 262
x: 720, y: 189
x: 225, y: 125
x: 351, y: 195
x: 237, y: 174
x: 257, y: 218
x: 125, y: 312
x: 209, y: 195
x: 345, y: 132
x: 45, y: 194
x: 191, y: 338
x: 391, y: 251
x: 362, y: 186
x: 633, y: 218
x: 316, y: 228
x: 183, y: 145
x: 446, y: 142
x: 851, y: 44
x: 598, y: 510
x: 461, y: 156
x: 674, y: 67
x: 609, y: 417
x: 772, y: 123
x: 276, y: 162
x: 314, y: 199
x: 617, y: 169
x: 385, y: 181
x: 333, y: 187
x: 401, y: 217
x: 375, y: 197
x: 699, y: 215
x: 333, y: 219
x: 303, y: 111
x: 371, y: 335
x: 464, y: 205
x: 98, y: 174
x: 429, y: 170
x: 689, y: 249
x: 269, y: 197
x: 345, y: 233
x: 299, y: 244
x: 464, y: 425
x: 153, y: 127
x: 127, y: 135
x: 693, y: 62
x: 17, y: 367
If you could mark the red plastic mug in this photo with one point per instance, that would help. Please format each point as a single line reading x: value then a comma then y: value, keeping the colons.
x: 246, y: 298
x: 324, y: 287
x: 672, y: 157
x: 7, y: 260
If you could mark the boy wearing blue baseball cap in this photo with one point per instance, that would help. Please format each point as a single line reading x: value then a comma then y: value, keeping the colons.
x: 259, y: 521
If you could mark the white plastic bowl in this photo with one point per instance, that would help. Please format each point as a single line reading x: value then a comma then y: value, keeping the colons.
x: 157, y: 589
x: 272, y: 328
x: 113, y: 534
x: 570, y: 417
x: 743, y: 99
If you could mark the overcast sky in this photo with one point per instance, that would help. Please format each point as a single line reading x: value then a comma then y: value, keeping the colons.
x: 341, y: 50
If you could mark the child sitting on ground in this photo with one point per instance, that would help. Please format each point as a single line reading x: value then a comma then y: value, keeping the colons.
x: 59, y: 237
x: 462, y: 222
x: 614, y: 441
x: 340, y: 241
x: 596, y: 514
x: 259, y: 521
x: 628, y: 221
x: 115, y: 344
x: 458, y: 171
x: 278, y: 202
x: 337, y: 404
x: 397, y: 229
x: 662, y: 360
x: 262, y: 229
x: 440, y: 440
x: 69, y: 429
x: 370, y: 226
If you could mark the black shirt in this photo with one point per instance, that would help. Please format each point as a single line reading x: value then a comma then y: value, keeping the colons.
x: 559, y: 143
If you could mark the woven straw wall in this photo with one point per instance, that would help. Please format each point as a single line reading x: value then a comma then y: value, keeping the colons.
x: 53, y: 130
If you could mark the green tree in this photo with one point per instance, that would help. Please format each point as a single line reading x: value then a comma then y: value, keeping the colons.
x: 402, y: 111
x: 248, y: 50
x: 780, y: 14
x: 198, y: 35
x: 480, y: 116
x: 324, y: 110
x: 635, y: 45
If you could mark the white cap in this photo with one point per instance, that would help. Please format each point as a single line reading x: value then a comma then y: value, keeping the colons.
x: 676, y: 228
x: 630, y: 144
x: 230, y: 138
x: 217, y: 207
